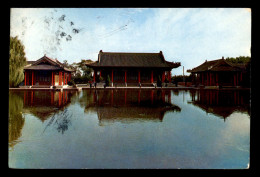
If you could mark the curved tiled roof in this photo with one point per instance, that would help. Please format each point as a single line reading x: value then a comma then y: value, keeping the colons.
x: 46, y: 63
x: 117, y: 59
x: 217, y: 65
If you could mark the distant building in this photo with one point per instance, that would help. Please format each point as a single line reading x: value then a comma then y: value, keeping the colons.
x: 46, y: 72
x: 218, y: 72
x: 132, y: 67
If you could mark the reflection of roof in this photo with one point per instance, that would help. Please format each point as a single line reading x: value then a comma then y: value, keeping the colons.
x: 220, y: 111
x: 116, y: 59
x: 132, y: 111
x: 42, y: 112
x: 218, y: 65
x: 46, y: 63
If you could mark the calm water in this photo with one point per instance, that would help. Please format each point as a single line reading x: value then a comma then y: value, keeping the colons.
x: 129, y: 129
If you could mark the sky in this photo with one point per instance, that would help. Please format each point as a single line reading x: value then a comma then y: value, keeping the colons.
x: 186, y: 35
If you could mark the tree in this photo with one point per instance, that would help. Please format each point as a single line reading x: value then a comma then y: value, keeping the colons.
x: 240, y: 59
x: 17, y: 61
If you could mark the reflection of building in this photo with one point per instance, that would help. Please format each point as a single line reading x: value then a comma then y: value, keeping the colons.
x: 130, y: 105
x: 43, y: 104
x: 218, y: 73
x: 221, y: 102
x: 132, y: 67
x: 46, y: 72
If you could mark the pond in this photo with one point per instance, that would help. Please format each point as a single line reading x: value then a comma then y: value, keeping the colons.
x: 129, y: 128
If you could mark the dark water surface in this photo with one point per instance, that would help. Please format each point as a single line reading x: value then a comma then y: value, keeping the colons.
x: 129, y: 129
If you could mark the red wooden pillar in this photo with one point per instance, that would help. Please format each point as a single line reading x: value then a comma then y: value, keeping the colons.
x: 65, y: 75
x: 125, y: 76
x: 69, y: 76
x: 52, y: 78
x: 63, y: 78
x: 94, y: 76
x: 25, y: 75
x: 139, y: 78
x: 59, y: 77
x: 169, y: 76
x: 163, y: 76
x: 152, y: 77
x: 100, y: 74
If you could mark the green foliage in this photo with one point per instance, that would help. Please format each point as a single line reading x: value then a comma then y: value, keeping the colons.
x: 108, y: 81
x: 83, y: 73
x: 17, y: 61
x: 101, y: 78
x: 179, y: 78
x: 240, y: 59
x: 16, y: 119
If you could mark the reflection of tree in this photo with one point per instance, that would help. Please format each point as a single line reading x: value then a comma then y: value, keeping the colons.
x: 16, y: 119
x: 62, y: 121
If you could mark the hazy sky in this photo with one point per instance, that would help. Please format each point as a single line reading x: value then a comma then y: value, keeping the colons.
x: 186, y: 35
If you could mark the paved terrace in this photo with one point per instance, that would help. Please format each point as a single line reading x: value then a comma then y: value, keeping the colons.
x: 80, y: 87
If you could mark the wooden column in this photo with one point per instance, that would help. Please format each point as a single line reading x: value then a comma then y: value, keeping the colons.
x: 63, y: 78
x: 100, y: 74
x: 52, y: 78
x: 25, y: 74
x: 169, y: 76
x: 151, y: 76
x: 32, y: 77
x: 163, y: 76
x: 59, y: 77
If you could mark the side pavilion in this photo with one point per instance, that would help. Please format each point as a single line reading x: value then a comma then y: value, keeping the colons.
x: 218, y: 72
x: 46, y: 72
x: 132, y: 68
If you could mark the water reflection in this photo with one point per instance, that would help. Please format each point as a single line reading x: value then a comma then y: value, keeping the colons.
x: 43, y: 104
x: 129, y: 105
x: 221, y: 103
x: 16, y: 118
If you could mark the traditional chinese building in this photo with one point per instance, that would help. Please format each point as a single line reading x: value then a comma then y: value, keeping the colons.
x: 46, y: 72
x: 218, y: 72
x: 132, y: 67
